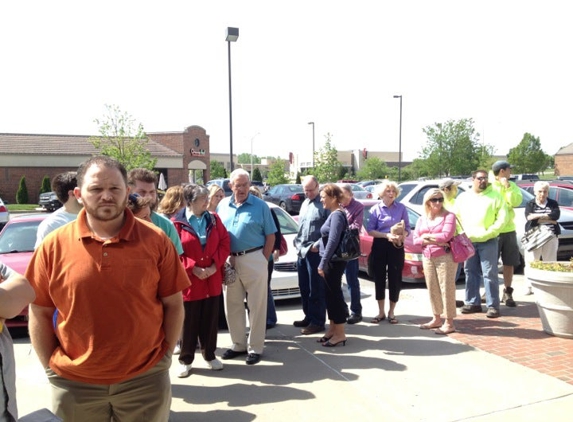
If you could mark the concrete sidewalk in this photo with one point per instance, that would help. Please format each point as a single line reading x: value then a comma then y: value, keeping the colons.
x: 385, y: 372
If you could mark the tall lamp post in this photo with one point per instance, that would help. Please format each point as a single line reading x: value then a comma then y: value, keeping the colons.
x: 312, y: 123
x: 399, y: 139
x: 232, y: 35
x: 258, y: 133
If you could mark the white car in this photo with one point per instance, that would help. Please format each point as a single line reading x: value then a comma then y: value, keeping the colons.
x: 284, y: 281
x: 412, y: 194
x: 4, y: 214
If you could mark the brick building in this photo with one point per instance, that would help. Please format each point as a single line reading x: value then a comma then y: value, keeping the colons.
x: 37, y: 156
x: 564, y: 161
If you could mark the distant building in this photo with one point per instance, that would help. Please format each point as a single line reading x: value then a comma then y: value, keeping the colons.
x: 564, y: 161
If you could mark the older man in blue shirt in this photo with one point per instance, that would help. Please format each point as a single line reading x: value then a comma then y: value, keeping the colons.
x: 252, y: 230
x: 311, y: 218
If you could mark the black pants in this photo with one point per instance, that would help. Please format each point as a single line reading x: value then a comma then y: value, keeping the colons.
x: 387, y: 261
x: 335, y: 305
x: 201, y: 320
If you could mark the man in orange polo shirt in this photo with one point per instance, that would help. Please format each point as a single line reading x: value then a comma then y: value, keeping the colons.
x: 108, y: 309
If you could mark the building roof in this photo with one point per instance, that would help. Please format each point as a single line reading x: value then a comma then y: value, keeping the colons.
x: 29, y: 144
x: 565, y: 150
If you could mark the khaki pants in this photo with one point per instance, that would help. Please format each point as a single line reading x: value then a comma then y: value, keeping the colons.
x: 147, y: 397
x: 440, y: 273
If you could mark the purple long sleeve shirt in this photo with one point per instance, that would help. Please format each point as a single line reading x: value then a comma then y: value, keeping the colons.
x: 354, y: 214
x: 382, y: 218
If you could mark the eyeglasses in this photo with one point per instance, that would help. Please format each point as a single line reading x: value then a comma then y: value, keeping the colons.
x: 481, y: 179
x: 437, y: 199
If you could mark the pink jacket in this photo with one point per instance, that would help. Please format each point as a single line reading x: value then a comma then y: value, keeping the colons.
x: 443, y: 232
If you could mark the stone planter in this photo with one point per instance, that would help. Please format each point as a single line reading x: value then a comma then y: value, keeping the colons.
x: 554, y: 297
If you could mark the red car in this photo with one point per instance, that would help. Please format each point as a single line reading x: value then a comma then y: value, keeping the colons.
x: 17, y: 240
x: 413, y: 271
x: 561, y: 191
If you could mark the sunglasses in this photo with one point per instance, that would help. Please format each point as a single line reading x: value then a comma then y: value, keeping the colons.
x: 481, y: 179
x: 437, y: 199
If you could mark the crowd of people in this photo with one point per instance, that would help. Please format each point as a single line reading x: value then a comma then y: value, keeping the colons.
x: 115, y: 263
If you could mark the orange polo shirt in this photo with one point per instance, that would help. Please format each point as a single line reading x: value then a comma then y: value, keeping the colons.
x: 107, y: 294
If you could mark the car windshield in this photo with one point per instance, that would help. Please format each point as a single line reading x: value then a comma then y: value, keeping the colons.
x: 405, y: 189
x: 19, y: 237
x: 288, y: 225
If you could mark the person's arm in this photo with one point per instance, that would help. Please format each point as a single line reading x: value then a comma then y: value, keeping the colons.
x: 173, y: 314
x: 42, y: 334
x: 15, y: 294
x: 269, y: 245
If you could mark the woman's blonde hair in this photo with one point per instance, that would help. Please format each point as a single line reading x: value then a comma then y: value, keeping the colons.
x: 385, y: 185
x: 429, y: 195
x: 172, y: 201
x: 214, y: 188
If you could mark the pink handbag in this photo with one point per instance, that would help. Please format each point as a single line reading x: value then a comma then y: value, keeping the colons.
x: 461, y: 246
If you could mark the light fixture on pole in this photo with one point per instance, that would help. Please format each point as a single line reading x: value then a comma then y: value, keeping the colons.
x: 312, y: 123
x: 258, y: 133
x: 232, y: 36
x: 399, y: 139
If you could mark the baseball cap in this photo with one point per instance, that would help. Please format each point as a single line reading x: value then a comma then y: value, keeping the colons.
x: 448, y: 182
x: 499, y: 165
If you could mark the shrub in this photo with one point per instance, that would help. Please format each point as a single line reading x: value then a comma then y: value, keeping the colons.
x: 22, y: 194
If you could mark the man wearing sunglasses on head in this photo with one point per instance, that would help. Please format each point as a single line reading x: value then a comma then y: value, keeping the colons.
x: 483, y: 214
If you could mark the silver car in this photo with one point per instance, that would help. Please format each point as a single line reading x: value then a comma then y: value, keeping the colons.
x: 4, y: 214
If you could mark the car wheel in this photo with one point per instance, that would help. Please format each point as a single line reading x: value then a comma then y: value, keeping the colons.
x: 282, y: 204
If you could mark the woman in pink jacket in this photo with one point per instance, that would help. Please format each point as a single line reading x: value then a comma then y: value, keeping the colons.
x: 206, y: 246
x: 433, y: 231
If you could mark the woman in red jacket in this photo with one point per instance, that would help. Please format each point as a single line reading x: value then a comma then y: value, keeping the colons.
x: 206, y: 246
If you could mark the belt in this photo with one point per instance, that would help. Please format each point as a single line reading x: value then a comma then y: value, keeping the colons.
x: 246, y: 251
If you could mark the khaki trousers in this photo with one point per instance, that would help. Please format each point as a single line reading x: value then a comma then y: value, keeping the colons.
x: 440, y: 275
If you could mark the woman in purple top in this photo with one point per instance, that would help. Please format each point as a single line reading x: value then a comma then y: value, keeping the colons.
x: 387, y: 248
x: 433, y: 231
x: 331, y: 233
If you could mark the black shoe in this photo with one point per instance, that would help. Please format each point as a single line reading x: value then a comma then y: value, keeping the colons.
x: 471, y: 309
x: 231, y: 354
x: 302, y: 323
x: 507, y: 297
x: 253, y: 358
x: 459, y: 303
x: 354, y: 319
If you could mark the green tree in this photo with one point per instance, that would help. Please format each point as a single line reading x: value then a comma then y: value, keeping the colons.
x: 527, y: 156
x: 326, y: 164
x: 298, y: 180
x: 122, y: 138
x: 46, y: 186
x: 217, y: 170
x: 22, y: 193
x: 257, y: 176
x: 245, y: 158
x: 453, y: 148
x: 373, y: 168
x: 276, y: 175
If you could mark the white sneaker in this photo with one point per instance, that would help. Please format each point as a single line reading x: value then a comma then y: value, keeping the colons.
x: 215, y: 364
x: 177, y: 350
x: 529, y: 291
x: 184, y: 371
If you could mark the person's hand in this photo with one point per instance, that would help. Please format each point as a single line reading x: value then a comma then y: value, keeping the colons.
x: 504, y: 181
x: 276, y: 256
x: 321, y: 273
x: 314, y: 249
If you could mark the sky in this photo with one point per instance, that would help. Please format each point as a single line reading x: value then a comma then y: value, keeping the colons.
x: 505, y: 64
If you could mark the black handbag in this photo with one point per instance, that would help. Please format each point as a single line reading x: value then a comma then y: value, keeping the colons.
x: 349, y: 245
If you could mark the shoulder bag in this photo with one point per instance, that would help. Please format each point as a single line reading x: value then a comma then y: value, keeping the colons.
x: 349, y: 245
x: 461, y: 246
x: 284, y: 246
x: 536, y: 237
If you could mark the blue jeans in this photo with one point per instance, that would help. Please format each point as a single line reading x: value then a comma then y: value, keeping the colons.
x: 353, y: 286
x: 483, y: 262
x: 312, y: 289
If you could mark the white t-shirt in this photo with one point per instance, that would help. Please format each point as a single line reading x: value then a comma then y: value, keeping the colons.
x: 57, y: 219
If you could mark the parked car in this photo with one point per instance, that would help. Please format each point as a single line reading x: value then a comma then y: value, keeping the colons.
x: 570, y: 178
x: 289, y: 197
x: 412, y: 194
x: 520, y: 177
x: 561, y: 191
x: 358, y: 191
x: 223, y: 183
x: 365, y: 183
x: 4, y: 214
x: 284, y: 282
x: 17, y: 241
x: 49, y: 201
x: 413, y: 271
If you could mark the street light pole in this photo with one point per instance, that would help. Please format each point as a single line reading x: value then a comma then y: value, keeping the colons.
x: 399, y: 139
x: 252, y: 153
x: 232, y: 35
x: 312, y: 123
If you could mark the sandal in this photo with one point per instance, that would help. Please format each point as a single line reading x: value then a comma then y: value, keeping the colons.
x: 392, y: 320
x: 445, y: 332
x: 429, y: 327
x: 378, y: 319
x: 323, y: 339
